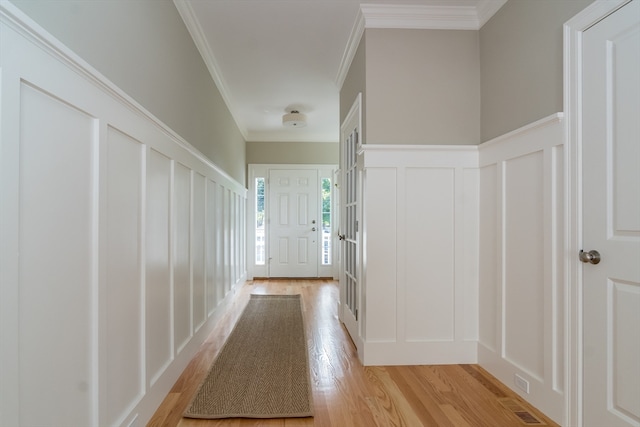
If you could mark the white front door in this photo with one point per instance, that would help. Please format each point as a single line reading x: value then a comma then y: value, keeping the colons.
x: 611, y: 219
x: 293, y: 223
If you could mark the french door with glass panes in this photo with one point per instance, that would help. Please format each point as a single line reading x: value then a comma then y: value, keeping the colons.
x: 349, y: 223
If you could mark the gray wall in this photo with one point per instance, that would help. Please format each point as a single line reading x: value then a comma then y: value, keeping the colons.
x: 521, y: 63
x: 423, y: 87
x: 354, y: 83
x: 319, y: 153
x: 144, y: 48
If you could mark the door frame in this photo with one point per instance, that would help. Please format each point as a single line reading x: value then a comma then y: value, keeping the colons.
x: 262, y: 170
x: 572, y: 51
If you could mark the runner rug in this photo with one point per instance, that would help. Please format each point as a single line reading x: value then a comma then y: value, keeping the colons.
x: 262, y: 370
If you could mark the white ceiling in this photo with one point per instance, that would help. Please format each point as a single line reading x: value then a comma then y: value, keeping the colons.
x: 269, y: 57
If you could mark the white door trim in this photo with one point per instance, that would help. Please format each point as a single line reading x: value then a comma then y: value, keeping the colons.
x: 573, y: 30
x: 262, y: 170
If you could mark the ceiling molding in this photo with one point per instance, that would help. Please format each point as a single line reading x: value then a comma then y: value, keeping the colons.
x: 425, y: 17
x: 350, y: 51
x: 197, y: 34
x: 487, y: 8
x: 420, y: 17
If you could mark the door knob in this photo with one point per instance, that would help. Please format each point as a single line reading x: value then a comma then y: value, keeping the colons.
x: 341, y: 236
x: 313, y: 229
x: 591, y: 257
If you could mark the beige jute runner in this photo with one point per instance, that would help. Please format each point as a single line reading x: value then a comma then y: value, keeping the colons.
x: 262, y: 370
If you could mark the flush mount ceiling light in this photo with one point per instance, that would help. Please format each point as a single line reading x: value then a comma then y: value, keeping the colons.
x: 294, y: 119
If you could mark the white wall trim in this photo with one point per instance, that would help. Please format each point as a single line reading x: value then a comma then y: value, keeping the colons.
x: 424, y: 17
x: 381, y: 155
x: 34, y: 62
x: 545, y: 121
x: 420, y: 228
x: 18, y: 20
x: 200, y: 40
x: 350, y: 49
x: 487, y: 8
x: 524, y: 207
x: 255, y: 170
x: 419, y: 353
x: 572, y: 58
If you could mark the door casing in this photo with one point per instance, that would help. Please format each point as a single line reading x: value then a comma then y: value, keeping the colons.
x: 262, y: 170
x: 573, y: 30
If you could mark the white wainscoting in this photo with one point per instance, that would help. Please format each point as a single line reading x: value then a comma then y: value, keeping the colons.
x: 521, y: 318
x: 463, y: 258
x: 120, y: 242
x: 420, y: 225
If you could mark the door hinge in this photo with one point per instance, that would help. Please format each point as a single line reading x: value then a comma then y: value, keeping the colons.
x: 357, y: 226
x: 356, y: 314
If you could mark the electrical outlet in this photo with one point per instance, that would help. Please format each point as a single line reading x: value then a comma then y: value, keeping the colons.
x: 521, y: 383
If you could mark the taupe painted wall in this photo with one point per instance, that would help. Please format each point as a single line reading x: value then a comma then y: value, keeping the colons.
x: 144, y: 48
x: 422, y: 86
x: 521, y: 63
x: 292, y: 153
x: 354, y: 83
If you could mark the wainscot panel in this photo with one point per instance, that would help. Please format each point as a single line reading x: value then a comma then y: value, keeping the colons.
x: 120, y: 242
x: 421, y: 227
x: 521, y: 288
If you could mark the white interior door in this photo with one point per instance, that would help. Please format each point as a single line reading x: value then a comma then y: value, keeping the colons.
x: 611, y: 219
x: 293, y: 223
x: 350, y: 280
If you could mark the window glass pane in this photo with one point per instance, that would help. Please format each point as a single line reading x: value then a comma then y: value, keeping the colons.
x: 326, y: 221
x: 260, y: 249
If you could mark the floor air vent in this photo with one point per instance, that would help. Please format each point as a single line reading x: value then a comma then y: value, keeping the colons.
x: 521, y: 412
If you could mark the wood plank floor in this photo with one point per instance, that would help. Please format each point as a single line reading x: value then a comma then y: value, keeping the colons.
x: 347, y: 394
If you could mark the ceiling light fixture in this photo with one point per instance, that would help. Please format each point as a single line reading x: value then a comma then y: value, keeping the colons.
x: 294, y: 119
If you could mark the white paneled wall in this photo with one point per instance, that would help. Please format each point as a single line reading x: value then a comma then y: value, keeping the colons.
x: 420, y: 225
x: 119, y: 242
x: 521, y: 317
x: 463, y: 258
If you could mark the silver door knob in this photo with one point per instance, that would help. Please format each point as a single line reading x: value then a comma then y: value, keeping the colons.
x: 313, y: 229
x: 591, y: 257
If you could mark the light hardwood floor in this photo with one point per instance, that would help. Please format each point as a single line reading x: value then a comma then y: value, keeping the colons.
x: 347, y: 394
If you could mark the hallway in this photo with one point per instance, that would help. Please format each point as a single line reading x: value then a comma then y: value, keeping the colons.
x: 347, y: 394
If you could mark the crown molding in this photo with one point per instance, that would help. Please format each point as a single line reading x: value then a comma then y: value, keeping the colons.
x: 350, y: 51
x: 420, y: 17
x: 486, y: 9
x: 425, y: 17
x: 188, y: 15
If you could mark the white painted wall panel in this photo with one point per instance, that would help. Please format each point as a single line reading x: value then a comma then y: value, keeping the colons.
x: 521, y: 275
x: 524, y: 263
x: 380, y: 262
x: 56, y: 270
x: 555, y: 270
x: 123, y: 275
x: 210, y: 248
x: 421, y: 251
x: 488, y: 255
x: 89, y: 201
x: 198, y: 237
x: 219, y: 244
x: 159, y: 330
x: 181, y: 255
x: 467, y: 238
x: 430, y: 257
x: 226, y: 215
